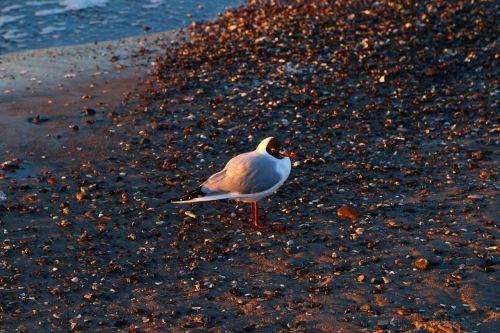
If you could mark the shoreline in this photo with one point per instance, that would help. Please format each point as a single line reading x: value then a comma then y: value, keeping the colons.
x: 390, y: 209
x: 57, y: 84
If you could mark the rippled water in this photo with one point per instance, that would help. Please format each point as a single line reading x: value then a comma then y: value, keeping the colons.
x: 29, y: 24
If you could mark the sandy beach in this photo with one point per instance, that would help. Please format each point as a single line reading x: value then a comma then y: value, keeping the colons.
x: 391, y: 208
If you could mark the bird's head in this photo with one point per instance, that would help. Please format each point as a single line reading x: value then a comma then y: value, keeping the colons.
x: 273, y: 147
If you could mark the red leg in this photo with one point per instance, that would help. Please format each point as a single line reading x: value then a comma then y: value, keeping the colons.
x: 255, y: 207
x: 252, y: 210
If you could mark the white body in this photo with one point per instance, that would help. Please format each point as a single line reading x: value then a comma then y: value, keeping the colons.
x: 239, y: 170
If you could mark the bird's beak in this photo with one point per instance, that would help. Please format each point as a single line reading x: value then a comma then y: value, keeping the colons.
x: 290, y: 154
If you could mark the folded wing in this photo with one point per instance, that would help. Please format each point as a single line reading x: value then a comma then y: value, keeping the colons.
x: 244, y: 174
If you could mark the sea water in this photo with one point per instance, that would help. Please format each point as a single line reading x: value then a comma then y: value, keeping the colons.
x: 31, y: 24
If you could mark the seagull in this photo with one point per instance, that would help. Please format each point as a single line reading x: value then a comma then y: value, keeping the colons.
x: 247, y: 177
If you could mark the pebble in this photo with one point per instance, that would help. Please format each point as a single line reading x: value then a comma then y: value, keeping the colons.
x: 404, y: 311
x: 365, y: 307
x: 3, y: 196
x: 37, y: 120
x: 190, y: 214
x: 392, y: 224
x: 348, y: 212
x: 421, y: 264
x: 403, y: 186
x: 11, y: 165
x: 88, y: 112
x: 82, y: 195
x: 382, y: 323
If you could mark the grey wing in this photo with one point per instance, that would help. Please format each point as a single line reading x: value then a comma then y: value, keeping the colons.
x: 244, y: 174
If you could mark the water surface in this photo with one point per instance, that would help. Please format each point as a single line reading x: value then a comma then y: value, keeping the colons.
x: 31, y: 24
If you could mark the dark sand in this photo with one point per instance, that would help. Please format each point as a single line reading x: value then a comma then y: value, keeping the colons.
x: 392, y: 110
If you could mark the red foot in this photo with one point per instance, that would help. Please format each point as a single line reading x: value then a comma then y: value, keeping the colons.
x: 260, y: 226
x: 255, y: 215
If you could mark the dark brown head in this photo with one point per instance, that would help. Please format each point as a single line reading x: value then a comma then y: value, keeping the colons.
x: 273, y: 147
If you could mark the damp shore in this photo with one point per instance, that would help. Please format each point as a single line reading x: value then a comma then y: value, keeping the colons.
x: 390, y: 209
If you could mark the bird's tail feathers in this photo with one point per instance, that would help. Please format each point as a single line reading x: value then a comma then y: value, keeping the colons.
x: 189, y: 197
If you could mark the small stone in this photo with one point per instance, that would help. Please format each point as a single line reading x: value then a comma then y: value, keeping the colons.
x: 343, y: 248
x: 484, y: 175
x: 11, y: 165
x: 348, y: 212
x: 421, y: 264
x: 88, y: 112
x: 75, y: 280
x: 429, y: 72
x: 235, y: 291
x: 198, y: 319
x: 88, y: 296
x: 404, y: 311
x: 37, y: 120
x: 382, y: 323
x: 190, y: 214
x: 475, y: 196
x: 290, y: 242
x: 268, y: 293
x: 124, y: 197
x: 386, y: 280
x: 392, y: 224
x: 365, y: 307
x: 63, y: 223
x: 439, y: 314
x: 360, y: 278
x: 82, y: 195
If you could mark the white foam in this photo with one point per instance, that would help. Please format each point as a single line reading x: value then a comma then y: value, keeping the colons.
x: 82, y: 4
x: 153, y: 4
x: 8, y: 19
x: 40, y: 3
x: 52, y: 11
x: 50, y: 29
x: 14, y: 34
x: 69, y: 5
x: 9, y: 8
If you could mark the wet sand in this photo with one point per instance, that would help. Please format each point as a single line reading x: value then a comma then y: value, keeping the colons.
x: 391, y: 207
